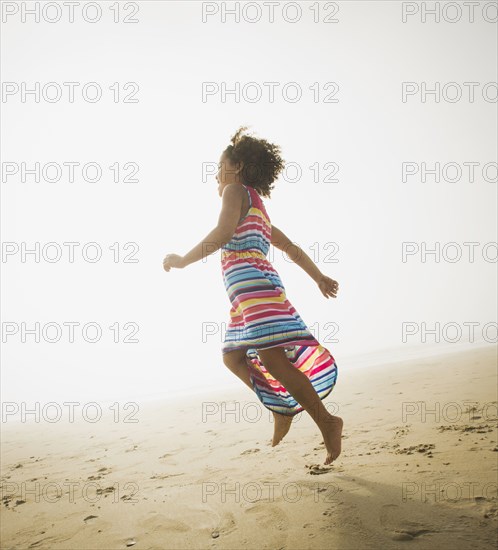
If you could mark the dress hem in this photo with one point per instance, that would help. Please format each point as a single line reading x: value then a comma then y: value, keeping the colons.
x: 290, y: 344
x: 301, y: 408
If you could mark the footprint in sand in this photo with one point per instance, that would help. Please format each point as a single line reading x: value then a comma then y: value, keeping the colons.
x: 99, y: 475
x: 467, y: 428
x: 249, y: 451
x: 423, y: 448
x: 401, y: 431
x: 478, y: 411
x: 165, y: 476
x: 18, y: 502
x: 487, y: 506
x: 172, y: 458
x: 48, y: 542
x: 225, y: 525
x: 269, y: 515
x: 160, y: 523
x: 317, y: 469
x: 105, y: 491
x: 393, y: 519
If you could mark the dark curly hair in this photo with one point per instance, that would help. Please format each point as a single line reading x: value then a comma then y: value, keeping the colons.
x: 261, y: 160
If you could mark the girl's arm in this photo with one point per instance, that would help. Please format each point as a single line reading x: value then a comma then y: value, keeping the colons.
x: 227, y: 223
x: 279, y: 239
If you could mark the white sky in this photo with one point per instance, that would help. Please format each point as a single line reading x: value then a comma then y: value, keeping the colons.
x: 171, y: 132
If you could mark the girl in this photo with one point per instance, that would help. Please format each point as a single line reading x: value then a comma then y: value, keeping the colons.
x: 267, y: 344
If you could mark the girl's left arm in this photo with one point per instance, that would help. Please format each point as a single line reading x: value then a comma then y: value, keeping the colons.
x: 216, y: 238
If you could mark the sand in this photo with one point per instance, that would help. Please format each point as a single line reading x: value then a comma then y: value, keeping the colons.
x: 418, y: 469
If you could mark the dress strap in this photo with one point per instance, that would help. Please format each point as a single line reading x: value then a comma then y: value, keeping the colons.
x: 249, y: 193
x: 250, y: 203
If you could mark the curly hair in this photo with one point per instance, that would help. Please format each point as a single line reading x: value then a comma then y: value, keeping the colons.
x: 261, y: 160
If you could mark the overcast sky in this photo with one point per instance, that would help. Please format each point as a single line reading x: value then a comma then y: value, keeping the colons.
x: 163, y: 121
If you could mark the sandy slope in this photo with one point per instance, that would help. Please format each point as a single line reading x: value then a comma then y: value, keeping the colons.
x: 194, y: 475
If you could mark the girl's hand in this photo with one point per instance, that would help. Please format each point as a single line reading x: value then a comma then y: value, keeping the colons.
x: 328, y: 286
x: 173, y: 260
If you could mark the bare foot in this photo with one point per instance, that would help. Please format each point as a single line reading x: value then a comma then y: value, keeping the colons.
x: 332, y: 432
x: 282, y: 426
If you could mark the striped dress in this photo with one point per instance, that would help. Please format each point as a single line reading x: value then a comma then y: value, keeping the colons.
x: 262, y: 317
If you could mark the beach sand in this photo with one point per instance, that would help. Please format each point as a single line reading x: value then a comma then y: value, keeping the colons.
x: 418, y: 468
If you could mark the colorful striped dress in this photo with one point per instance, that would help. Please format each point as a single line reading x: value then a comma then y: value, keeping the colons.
x: 262, y: 317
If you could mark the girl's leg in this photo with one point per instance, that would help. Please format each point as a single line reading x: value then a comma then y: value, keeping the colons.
x: 236, y: 361
x: 299, y: 386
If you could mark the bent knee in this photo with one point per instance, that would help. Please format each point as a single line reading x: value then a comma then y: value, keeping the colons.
x: 233, y: 359
x: 275, y: 360
x: 275, y: 355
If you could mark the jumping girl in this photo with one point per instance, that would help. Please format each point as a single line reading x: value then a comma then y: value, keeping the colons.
x: 267, y: 344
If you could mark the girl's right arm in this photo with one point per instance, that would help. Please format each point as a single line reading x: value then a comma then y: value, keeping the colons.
x: 279, y: 239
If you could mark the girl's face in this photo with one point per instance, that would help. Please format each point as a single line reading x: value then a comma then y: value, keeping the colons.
x: 228, y: 173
